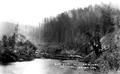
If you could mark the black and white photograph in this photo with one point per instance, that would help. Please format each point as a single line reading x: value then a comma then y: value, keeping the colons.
x: 59, y: 37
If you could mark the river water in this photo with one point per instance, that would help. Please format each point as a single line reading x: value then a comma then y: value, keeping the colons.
x: 41, y: 66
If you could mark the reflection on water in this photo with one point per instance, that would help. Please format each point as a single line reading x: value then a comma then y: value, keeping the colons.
x: 41, y: 66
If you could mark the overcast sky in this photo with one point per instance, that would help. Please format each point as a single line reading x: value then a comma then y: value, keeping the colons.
x: 32, y: 12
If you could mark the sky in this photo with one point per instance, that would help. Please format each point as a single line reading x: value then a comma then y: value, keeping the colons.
x: 33, y: 12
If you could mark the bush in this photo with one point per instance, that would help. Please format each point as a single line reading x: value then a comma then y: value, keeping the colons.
x: 110, y: 58
x: 13, y: 50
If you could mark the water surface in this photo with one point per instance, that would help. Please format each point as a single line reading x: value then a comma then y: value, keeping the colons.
x: 41, y: 66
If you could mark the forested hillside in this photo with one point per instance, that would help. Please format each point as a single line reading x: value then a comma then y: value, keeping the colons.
x: 82, y: 32
x: 90, y: 35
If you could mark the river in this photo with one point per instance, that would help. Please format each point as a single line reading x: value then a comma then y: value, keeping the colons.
x: 41, y: 66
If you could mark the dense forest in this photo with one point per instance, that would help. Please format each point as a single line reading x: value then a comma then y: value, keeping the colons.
x: 89, y: 35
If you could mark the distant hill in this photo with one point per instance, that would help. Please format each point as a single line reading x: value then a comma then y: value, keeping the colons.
x: 6, y: 28
x: 31, y: 33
